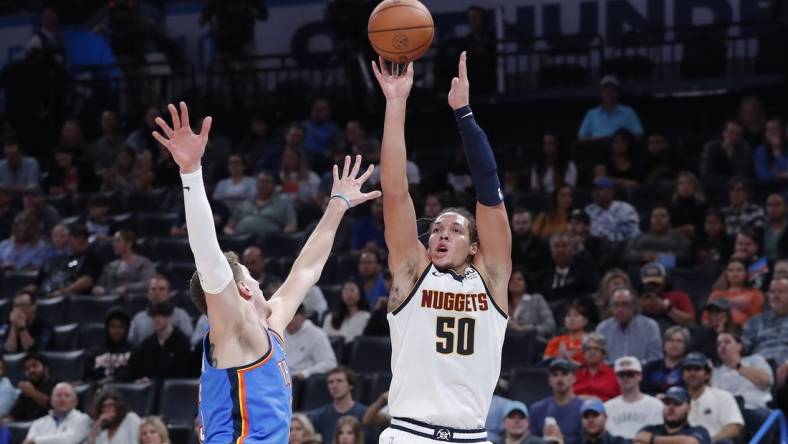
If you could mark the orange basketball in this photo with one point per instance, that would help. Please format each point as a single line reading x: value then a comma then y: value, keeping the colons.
x: 400, y: 31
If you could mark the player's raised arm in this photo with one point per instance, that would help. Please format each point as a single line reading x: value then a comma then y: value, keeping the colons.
x: 495, y: 239
x: 406, y: 253
x: 306, y: 270
x: 216, y: 277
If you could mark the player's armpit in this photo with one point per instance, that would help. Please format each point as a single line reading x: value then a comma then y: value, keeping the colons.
x: 225, y: 311
x: 404, y: 278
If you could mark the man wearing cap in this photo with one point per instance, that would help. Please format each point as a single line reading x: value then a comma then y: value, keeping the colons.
x: 667, y: 308
x: 307, y: 346
x: 613, y: 220
x: 594, y: 420
x: 765, y: 334
x: 627, y: 332
x: 515, y: 426
x: 632, y: 410
x: 711, y: 408
x: 660, y: 243
x: 610, y: 116
x: 564, y: 405
x: 676, y: 429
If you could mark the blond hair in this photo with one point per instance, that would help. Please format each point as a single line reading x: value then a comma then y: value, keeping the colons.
x: 158, y: 425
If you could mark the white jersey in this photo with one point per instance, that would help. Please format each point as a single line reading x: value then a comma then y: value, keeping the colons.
x: 446, y: 340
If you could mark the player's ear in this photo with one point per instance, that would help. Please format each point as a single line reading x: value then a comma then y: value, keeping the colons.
x: 244, y: 290
x: 474, y: 248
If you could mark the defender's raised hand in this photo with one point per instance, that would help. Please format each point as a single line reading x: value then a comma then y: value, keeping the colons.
x: 348, y: 185
x: 185, y: 146
x: 459, y: 95
x: 394, y: 85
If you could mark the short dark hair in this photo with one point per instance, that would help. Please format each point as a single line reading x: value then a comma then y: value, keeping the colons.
x: 739, y: 180
x: 35, y: 357
x: 349, y: 374
x: 195, y: 287
x: 731, y: 120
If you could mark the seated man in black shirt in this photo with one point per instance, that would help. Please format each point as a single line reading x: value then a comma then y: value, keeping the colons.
x: 77, y: 274
x: 167, y: 352
x: 26, y: 331
x: 676, y: 429
x: 36, y: 389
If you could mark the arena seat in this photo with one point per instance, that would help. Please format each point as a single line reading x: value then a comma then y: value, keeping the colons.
x: 13, y: 367
x: 66, y: 365
x: 178, y: 401
x: 145, y: 201
x: 338, y: 345
x: 179, y: 273
x: 529, y: 384
x: 85, y: 394
x: 172, y: 249
x: 315, y: 392
x: 281, y: 244
x: 66, y: 338
x: 378, y: 383
x: 331, y: 293
x: 13, y: 280
x: 91, y: 335
x: 139, y: 396
x: 370, y: 354
x: 136, y: 302
x: 154, y: 224
x: 83, y: 309
x: 518, y: 350
x: 237, y: 243
x: 18, y: 431
x: 53, y: 310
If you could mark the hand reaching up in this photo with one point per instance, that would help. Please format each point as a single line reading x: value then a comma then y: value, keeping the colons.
x: 394, y: 85
x: 186, y: 147
x: 459, y: 95
x: 349, y: 185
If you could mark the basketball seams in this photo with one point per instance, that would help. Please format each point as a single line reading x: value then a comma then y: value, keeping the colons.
x: 410, y: 28
x: 399, y: 52
x: 420, y: 9
x: 419, y: 29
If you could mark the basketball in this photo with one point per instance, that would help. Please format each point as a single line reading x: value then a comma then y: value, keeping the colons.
x: 400, y: 31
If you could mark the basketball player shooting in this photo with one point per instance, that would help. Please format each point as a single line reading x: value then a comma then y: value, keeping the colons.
x: 447, y: 307
x: 245, y: 388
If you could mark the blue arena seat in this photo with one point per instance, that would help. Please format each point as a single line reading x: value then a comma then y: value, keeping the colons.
x: 66, y: 365
x: 66, y: 338
x: 84, y: 309
x: 178, y: 401
x: 139, y: 396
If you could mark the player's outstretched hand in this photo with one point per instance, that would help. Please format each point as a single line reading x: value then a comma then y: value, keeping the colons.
x: 186, y: 147
x: 459, y: 95
x: 395, y: 85
x: 349, y: 183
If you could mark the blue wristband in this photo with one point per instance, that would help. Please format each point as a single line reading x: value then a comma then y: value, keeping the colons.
x: 481, y: 161
x: 343, y: 197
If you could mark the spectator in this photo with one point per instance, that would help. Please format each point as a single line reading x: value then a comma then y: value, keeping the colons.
x: 528, y: 250
x: 64, y: 424
x: 771, y: 157
x: 68, y: 176
x: 350, y: 315
x: 553, y: 166
x: 610, y: 115
x: 72, y: 138
x: 344, y: 231
x: 341, y: 381
x: 564, y: 405
x: 368, y: 231
x: 236, y: 188
x: 35, y: 389
x: 113, y: 422
x: 124, y: 173
x: 775, y: 236
x: 26, y: 331
x: 358, y: 140
x: 780, y: 269
x: 659, y: 244
x: 101, y: 154
x: 378, y: 324
x: 370, y: 276
x: 595, y: 378
x: 717, y: 317
x: 47, y: 42
x: 613, y: 220
x: 594, y: 422
x: 515, y: 426
x: 749, y: 377
x: 301, y: 429
x: 322, y: 134
x: 23, y: 250
x: 676, y: 426
x: 307, y: 347
x: 164, y: 354
x: 79, y: 272
x: 659, y: 164
x: 745, y: 248
x: 612, y: 280
x: 271, y: 159
x: 110, y: 362
x: 623, y: 166
x: 130, y: 272
x: 627, y: 332
x: 8, y: 393
x: 741, y: 212
x: 687, y: 206
x: 556, y: 220
x: 661, y: 374
x: 628, y: 413
x: 35, y: 206
x: 764, y: 334
x: 17, y: 171
x: 299, y: 183
x: 584, y: 244
x: 713, y: 246
x: 713, y: 409
x: 745, y: 300
x: 260, y: 145
x: 529, y: 311
x: 567, y: 277
x: 569, y: 345
x: 140, y: 139
x: 142, y: 322
x: 348, y: 431
x: 153, y: 431
x: 753, y: 118
x: 265, y: 214
x: 666, y: 306
x: 98, y: 221
x: 726, y: 157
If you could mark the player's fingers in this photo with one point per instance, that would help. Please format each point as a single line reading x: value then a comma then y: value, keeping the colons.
x: 184, y: 114
x: 367, y: 173
x: 454, y: 82
x: 176, y: 121
x: 371, y: 195
x: 159, y: 138
x: 356, y: 167
x: 463, y: 68
x: 346, y: 168
x: 384, y: 68
x: 375, y: 69
x: 164, y: 127
x: 409, y: 69
x: 335, y: 172
x: 206, y: 126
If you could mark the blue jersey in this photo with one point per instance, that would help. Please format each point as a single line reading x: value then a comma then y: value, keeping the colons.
x: 249, y: 404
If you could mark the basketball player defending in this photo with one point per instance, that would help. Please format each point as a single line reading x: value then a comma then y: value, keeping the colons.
x: 245, y: 389
x: 447, y: 307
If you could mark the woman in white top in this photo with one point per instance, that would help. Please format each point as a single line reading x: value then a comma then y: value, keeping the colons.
x: 153, y: 431
x: 299, y: 183
x: 350, y: 315
x: 113, y: 422
x: 236, y: 188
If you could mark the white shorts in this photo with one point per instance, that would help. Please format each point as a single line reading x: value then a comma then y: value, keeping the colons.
x: 395, y: 436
